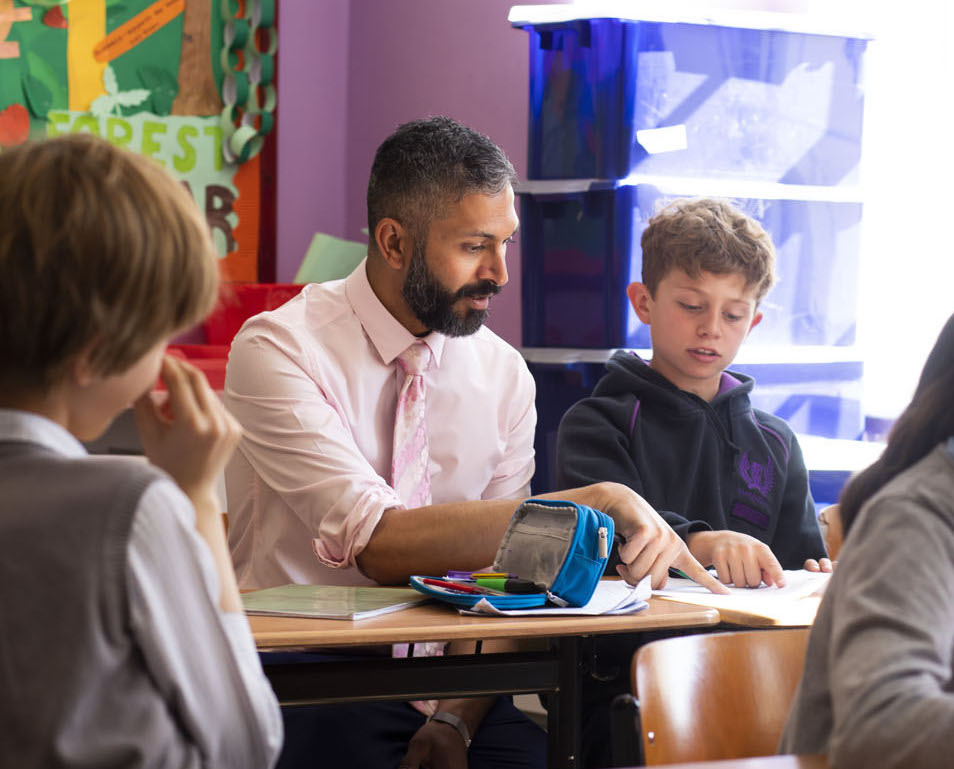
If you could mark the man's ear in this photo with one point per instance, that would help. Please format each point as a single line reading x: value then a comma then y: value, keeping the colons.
x: 641, y: 300
x: 393, y: 242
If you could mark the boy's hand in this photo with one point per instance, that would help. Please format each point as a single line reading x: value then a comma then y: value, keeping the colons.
x: 738, y: 559
x: 650, y: 545
x: 189, y: 434
x: 822, y: 564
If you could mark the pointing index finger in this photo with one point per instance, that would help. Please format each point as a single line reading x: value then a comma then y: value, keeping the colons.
x: 694, y: 570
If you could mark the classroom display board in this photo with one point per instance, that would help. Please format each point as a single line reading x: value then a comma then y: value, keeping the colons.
x: 188, y: 83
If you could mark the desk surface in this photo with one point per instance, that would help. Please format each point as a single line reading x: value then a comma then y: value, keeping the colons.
x: 766, y: 762
x: 432, y: 622
x: 800, y: 614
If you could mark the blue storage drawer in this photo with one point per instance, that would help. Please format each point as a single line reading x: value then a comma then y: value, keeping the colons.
x: 580, y: 249
x: 611, y: 97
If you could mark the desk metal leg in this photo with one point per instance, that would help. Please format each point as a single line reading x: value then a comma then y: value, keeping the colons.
x: 557, y: 671
x: 563, y: 718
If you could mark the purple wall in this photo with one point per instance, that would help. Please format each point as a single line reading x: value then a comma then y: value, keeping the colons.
x: 363, y: 67
x: 312, y: 126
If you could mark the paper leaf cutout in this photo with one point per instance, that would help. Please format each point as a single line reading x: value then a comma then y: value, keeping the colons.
x: 54, y: 18
x: 132, y: 98
x: 41, y: 69
x: 109, y: 81
x: 102, y: 106
x: 113, y: 99
x: 14, y: 125
x: 163, y: 87
x: 38, y: 95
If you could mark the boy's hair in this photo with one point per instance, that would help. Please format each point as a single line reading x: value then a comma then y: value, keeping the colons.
x: 425, y: 164
x: 698, y: 235
x: 100, y: 249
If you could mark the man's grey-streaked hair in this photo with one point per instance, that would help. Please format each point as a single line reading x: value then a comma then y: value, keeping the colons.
x: 426, y: 164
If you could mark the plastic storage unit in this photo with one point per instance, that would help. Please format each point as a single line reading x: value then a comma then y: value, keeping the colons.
x: 580, y: 246
x: 744, y: 96
x: 630, y: 111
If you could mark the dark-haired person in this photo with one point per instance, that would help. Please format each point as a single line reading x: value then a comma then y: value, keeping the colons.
x: 877, y: 686
x: 316, y: 384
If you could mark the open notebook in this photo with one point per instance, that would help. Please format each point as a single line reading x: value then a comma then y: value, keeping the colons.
x: 329, y: 601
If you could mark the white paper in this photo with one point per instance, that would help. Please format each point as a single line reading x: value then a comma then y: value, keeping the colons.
x: 798, y: 599
x: 611, y: 596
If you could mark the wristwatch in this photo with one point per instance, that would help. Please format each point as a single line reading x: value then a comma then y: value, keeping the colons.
x: 451, y: 720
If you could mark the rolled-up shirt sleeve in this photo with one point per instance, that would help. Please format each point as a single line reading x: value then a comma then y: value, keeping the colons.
x: 299, y: 445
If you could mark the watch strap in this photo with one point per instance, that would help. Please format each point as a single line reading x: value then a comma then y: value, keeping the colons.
x: 456, y: 721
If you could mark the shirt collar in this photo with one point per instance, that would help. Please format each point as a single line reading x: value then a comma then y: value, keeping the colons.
x: 387, y: 335
x: 27, y: 427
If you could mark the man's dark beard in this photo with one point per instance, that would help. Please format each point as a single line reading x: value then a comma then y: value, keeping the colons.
x: 434, y: 305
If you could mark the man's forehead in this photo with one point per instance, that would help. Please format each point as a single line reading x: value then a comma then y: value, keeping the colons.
x: 479, y: 214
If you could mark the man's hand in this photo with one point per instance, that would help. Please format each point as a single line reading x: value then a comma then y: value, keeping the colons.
x: 435, y: 745
x: 650, y: 545
x: 739, y: 559
x: 822, y: 564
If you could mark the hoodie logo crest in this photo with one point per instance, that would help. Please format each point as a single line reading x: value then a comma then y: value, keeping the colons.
x: 757, y: 477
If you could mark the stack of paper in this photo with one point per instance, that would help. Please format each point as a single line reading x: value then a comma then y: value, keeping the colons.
x: 612, y: 596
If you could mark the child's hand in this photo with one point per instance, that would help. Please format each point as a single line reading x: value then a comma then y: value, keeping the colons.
x: 822, y: 564
x: 738, y: 559
x: 190, y: 434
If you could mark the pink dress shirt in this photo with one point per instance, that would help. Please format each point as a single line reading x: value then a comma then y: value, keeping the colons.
x: 315, y: 384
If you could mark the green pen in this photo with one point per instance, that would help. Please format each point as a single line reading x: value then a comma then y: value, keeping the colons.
x: 510, y: 585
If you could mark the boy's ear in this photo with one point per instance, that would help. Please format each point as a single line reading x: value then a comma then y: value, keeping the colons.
x: 756, y: 319
x: 640, y: 298
x: 81, y: 368
x: 393, y: 242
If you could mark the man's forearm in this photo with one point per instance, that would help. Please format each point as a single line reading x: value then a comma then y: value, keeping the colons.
x: 434, y: 539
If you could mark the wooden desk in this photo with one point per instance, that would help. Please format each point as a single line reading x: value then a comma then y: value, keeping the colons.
x: 767, y: 762
x: 802, y: 615
x: 556, y: 670
x: 796, y: 607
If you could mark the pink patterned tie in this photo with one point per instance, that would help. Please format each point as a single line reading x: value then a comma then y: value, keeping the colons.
x: 409, y: 475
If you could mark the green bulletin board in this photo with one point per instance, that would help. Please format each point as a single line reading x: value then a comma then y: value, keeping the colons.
x: 186, y: 82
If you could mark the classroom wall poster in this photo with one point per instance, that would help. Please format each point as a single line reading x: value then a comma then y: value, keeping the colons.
x: 146, y: 75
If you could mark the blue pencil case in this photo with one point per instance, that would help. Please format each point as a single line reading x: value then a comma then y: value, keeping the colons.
x: 561, y: 546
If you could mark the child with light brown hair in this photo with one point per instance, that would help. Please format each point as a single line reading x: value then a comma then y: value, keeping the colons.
x: 681, y: 431
x: 121, y: 634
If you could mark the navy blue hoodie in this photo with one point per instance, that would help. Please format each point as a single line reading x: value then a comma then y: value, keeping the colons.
x: 717, y: 465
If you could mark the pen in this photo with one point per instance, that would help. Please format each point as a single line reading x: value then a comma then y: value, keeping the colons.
x: 460, y: 587
x: 471, y: 575
x: 510, y: 585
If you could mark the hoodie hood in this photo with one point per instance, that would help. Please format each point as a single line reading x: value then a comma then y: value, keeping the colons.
x: 628, y: 374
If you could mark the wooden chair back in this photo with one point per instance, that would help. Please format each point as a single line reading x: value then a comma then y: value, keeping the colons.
x: 716, y: 696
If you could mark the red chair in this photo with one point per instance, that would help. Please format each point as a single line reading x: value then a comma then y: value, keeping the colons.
x: 237, y: 303
x: 240, y: 301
